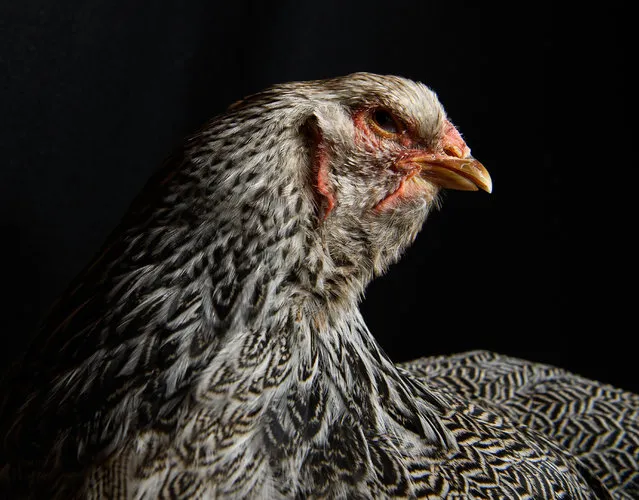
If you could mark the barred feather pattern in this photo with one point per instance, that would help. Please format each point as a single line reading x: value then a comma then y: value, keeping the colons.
x: 597, y: 423
x: 214, y: 348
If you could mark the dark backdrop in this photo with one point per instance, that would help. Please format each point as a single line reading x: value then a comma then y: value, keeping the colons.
x: 95, y: 94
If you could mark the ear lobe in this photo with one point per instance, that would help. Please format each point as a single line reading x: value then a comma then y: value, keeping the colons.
x: 320, y: 179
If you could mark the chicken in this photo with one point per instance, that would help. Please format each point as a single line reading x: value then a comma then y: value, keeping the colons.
x: 214, y: 348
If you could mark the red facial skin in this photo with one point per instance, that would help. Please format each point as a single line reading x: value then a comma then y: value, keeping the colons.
x: 323, y: 187
x: 372, y: 137
x: 373, y: 140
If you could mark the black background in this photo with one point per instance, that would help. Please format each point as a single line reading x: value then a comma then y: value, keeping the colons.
x: 96, y: 94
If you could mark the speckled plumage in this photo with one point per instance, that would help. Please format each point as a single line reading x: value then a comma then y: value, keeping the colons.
x: 597, y: 423
x: 214, y: 348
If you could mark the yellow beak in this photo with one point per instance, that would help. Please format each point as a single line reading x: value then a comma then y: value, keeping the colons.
x: 465, y: 174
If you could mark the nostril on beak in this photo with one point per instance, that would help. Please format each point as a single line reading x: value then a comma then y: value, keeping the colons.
x: 452, y: 142
x: 453, y: 150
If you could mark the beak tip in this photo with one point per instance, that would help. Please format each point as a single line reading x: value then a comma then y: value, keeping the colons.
x: 483, y: 179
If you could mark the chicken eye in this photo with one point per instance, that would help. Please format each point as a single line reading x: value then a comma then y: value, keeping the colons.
x: 385, y: 121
